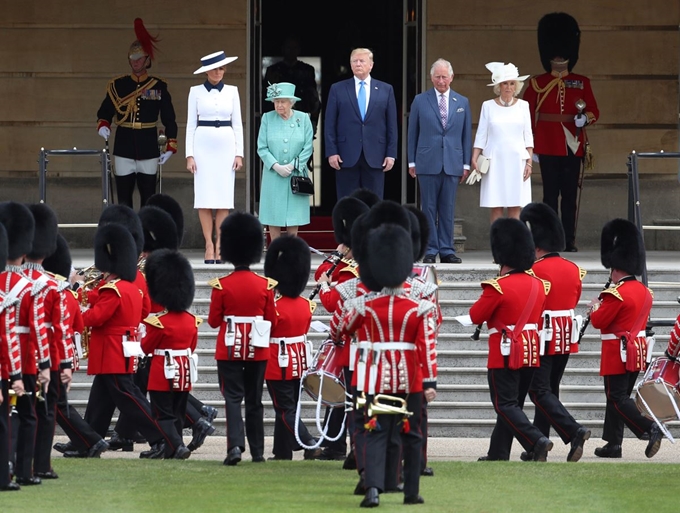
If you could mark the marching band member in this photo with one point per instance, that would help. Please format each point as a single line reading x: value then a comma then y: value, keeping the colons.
x: 171, y: 337
x: 624, y: 306
x: 511, y: 305
x: 20, y: 226
x: 241, y: 303
x: 288, y: 262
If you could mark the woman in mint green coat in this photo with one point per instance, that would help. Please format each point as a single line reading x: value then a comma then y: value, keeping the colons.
x: 284, y: 143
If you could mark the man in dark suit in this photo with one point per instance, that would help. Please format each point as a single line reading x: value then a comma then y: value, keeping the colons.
x: 361, y: 128
x: 439, y: 152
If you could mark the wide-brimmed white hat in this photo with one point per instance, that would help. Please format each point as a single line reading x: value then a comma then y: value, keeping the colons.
x: 214, y: 60
x: 501, y: 72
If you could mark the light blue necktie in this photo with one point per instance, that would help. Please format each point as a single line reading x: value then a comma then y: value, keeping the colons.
x: 362, y: 100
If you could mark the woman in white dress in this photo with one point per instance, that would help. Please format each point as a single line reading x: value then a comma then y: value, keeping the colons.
x: 504, y: 136
x: 214, y: 148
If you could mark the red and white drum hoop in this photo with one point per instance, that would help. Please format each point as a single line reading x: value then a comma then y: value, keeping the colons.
x: 325, y: 378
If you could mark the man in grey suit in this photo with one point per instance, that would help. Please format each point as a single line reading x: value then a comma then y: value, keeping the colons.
x: 360, y: 126
x: 439, y: 152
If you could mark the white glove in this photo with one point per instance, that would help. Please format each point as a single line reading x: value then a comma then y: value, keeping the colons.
x: 164, y: 158
x: 580, y: 120
x: 105, y: 132
x: 475, y: 176
x: 284, y: 171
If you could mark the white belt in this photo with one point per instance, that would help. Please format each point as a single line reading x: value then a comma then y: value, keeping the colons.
x: 287, y: 340
x: 612, y: 336
x: 512, y: 327
x: 558, y: 313
x: 173, y: 352
x: 240, y: 320
x: 364, y: 345
x: 393, y: 346
x: 22, y: 329
x: 48, y: 325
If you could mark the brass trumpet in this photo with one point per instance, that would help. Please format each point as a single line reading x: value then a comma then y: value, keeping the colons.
x: 376, y: 407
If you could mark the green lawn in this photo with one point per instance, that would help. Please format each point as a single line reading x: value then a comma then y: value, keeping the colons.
x: 124, y: 485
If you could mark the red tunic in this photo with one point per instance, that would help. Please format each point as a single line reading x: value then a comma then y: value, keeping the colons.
x: 10, y: 352
x: 501, y: 304
x: 344, y: 291
x: 242, y: 293
x: 116, y: 313
x: 294, y: 319
x: 558, y: 97
x: 565, y: 279
x: 175, y: 331
x: 620, y: 307
x: 328, y: 295
x: 75, y: 321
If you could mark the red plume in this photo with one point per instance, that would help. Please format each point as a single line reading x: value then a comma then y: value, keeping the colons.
x: 145, y: 39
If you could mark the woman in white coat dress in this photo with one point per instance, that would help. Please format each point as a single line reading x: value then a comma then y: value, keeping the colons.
x: 504, y: 136
x: 214, y: 148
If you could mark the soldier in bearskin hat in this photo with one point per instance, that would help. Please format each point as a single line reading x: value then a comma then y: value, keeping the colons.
x: 562, y: 104
x: 134, y: 102
x: 242, y: 306
x: 160, y: 230
x: 623, y: 306
x: 511, y: 305
x: 172, y: 207
x: 288, y: 261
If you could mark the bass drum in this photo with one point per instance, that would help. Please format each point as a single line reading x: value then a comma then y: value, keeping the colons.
x: 324, y: 379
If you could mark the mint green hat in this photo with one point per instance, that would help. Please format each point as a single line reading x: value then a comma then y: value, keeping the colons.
x: 281, y: 91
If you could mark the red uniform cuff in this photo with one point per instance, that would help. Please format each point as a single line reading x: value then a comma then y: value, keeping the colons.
x: 171, y: 145
x: 103, y: 122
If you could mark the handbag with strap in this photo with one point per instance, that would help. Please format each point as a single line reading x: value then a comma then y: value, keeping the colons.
x: 517, y: 351
x: 300, y: 183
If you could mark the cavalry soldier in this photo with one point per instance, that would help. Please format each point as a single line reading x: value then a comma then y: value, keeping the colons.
x: 134, y: 102
x: 241, y: 306
x: 620, y: 313
x: 563, y: 104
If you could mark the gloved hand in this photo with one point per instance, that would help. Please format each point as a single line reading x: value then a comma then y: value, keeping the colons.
x: 105, y: 132
x: 164, y: 158
x: 580, y: 120
x: 284, y: 171
x: 475, y: 176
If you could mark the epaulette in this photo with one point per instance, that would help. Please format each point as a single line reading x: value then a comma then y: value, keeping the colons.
x: 312, y: 305
x: 357, y: 303
x: 581, y: 272
x: 198, y: 320
x: 614, y: 292
x: 155, y: 321
x: 546, y: 286
x: 111, y: 285
x: 38, y: 284
x: 420, y: 288
x: 494, y: 283
x: 531, y: 272
x: 347, y: 289
x: 425, y: 306
x: 350, y: 269
x: 215, y: 282
x: 75, y: 294
x: 271, y: 284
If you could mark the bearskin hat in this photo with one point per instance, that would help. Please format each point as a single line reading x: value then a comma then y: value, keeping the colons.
x: 512, y: 244
x: 546, y: 228
x: 115, y: 251
x: 385, y: 211
x: 558, y: 36
x: 170, y: 278
x: 622, y: 247
x: 420, y: 232
x: 172, y: 207
x: 45, y: 235
x: 241, y: 239
x: 390, y: 255
x: 124, y: 215
x: 160, y: 230
x: 344, y: 214
x: 20, y: 225
x: 288, y: 261
x: 3, y: 247
x: 366, y: 195
x: 60, y: 261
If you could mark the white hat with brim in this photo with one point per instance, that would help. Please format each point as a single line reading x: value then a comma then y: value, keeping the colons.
x: 214, y: 60
x: 501, y: 72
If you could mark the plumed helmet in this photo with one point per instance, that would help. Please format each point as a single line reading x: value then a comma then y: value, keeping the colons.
x: 170, y: 279
x: 558, y: 36
x: 344, y: 214
x: 124, y: 215
x: 241, y: 239
x: 390, y: 254
x: 622, y: 247
x: 45, y: 235
x: 20, y: 226
x: 366, y: 195
x: 3, y: 246
x: 115, y: 251
x: 172, y: 207
x: 160, y: 230
x: 145, y: 44
x: 512, y: 244
x: 59, y: 262
x: 288, y: 261
x: 420, y: 231
x: 546, y: 228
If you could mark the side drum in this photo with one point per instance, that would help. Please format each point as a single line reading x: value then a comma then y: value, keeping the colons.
x: 325, y: 376
x: 657, y: 392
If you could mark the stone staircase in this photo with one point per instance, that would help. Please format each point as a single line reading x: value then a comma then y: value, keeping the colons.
x: 462, y: 407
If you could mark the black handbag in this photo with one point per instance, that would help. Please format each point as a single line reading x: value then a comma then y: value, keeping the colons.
x: 300, y: 182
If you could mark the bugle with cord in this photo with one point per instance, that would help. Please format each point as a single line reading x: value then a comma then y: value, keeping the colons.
x: 380, y: 405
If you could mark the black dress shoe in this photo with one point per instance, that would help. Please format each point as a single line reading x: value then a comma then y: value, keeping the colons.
x: 157, y: 452
x: 360, y: 489
x: 28, y: 481
x: 233, y: 456
x: 350, y: 462
x: 62, y: 448
x: 429, y: 259
x: 329, y: 455
x: 51, y: 474
x: 181, y: 453
x: 484, y: 458
x: 655, y: 437
x: 609, y: 450
x: 395, y: 489
x: 427, y: 471
x: 201, y: 429
x: 450, y: 259
x: 541, y: 449
x: 117, y: 442
x: 371, y: 499
x: 209, y: 413
x: 10, y: 487
x: 527, y: 456
x: 577, y: 441
x: 414, y: 499
x: 258, y: 459
x: 312, y: 454
x: 97, y: 449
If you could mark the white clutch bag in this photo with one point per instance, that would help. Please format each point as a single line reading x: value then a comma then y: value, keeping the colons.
x: 483, y: 164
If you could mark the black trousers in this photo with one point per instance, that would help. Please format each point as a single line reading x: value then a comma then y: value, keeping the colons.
x: 79, y: 432
x: 552, y: 369
x: 24, y: 447
x: 125, y: 187
x: 5, y: 435
x: 241, y: 380
x: 193, y: 411
x: 621, y: 409
x: 46, y: 423
x: 125, y: 427
x: 423, y: 427
x: 169, y: 408
x: 285, y: 395
x: 560, y: 177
